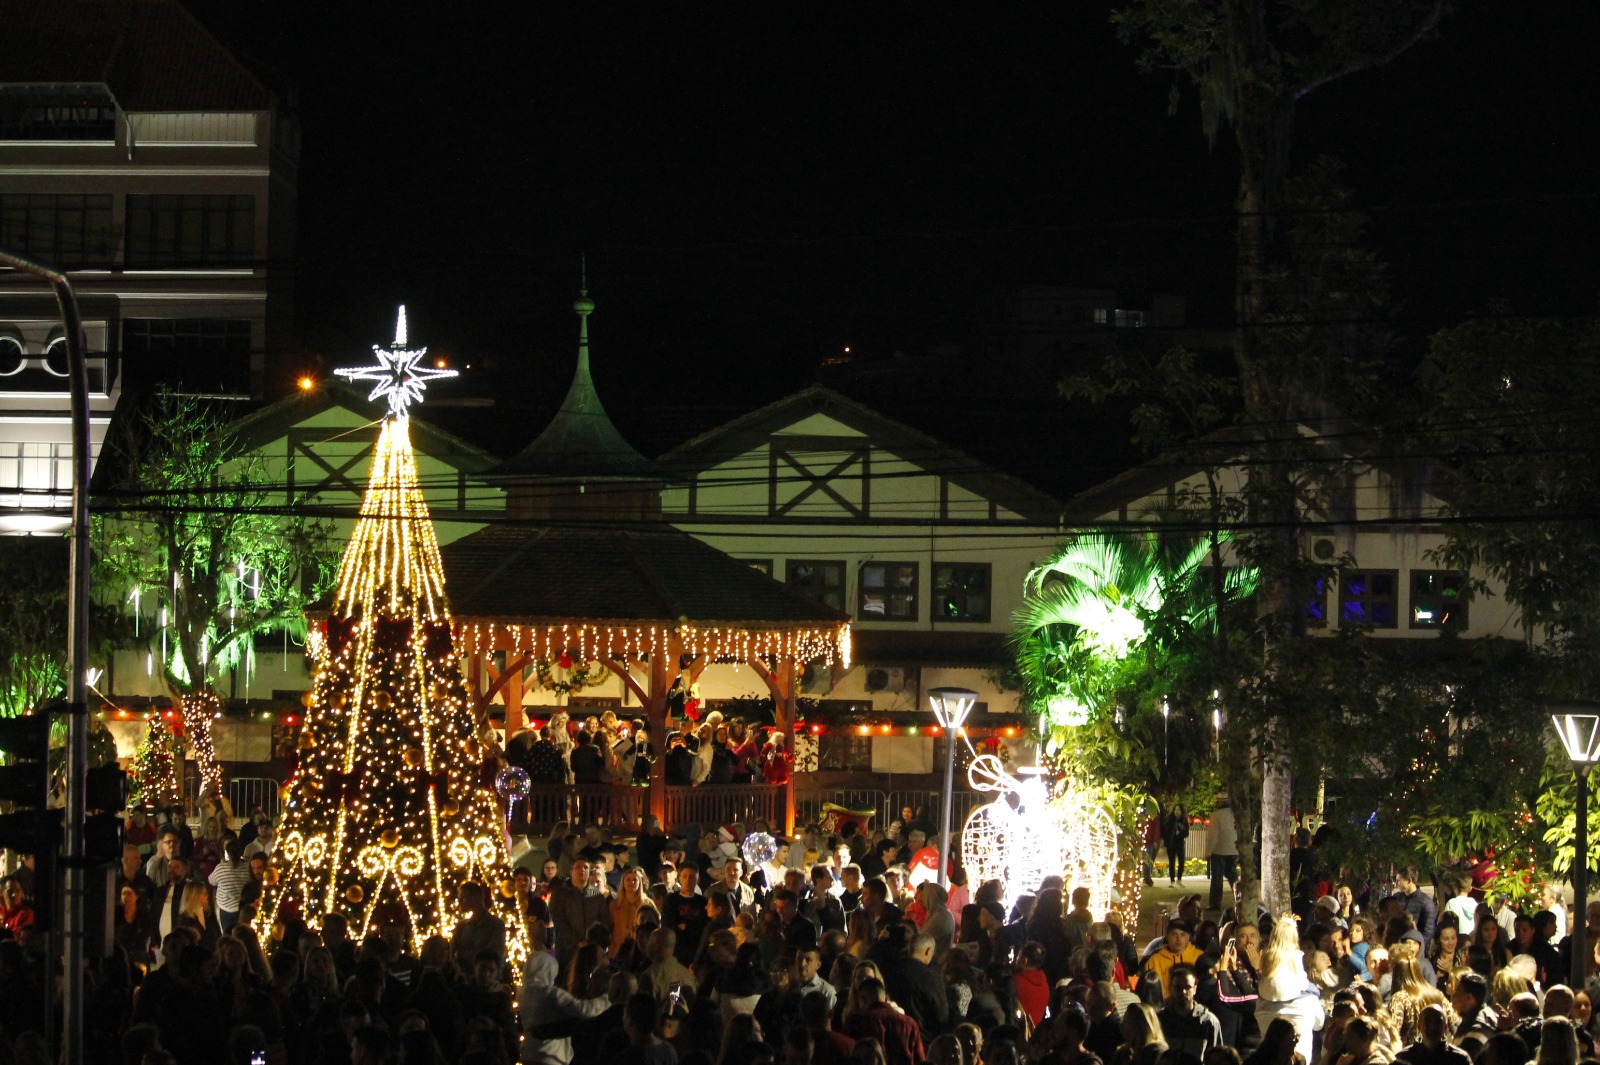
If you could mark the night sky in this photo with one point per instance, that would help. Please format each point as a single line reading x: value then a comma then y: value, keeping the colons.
x: 758, y: 185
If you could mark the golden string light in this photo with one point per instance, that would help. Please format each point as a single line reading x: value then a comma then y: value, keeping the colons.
x: 390, y: 779
x: 589, y: 641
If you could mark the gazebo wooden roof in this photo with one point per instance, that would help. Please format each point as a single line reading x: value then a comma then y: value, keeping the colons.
x: 640, y: 595
x: 621, y: 593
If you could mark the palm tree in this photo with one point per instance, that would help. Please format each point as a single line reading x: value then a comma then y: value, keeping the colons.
x: 1100, y: 598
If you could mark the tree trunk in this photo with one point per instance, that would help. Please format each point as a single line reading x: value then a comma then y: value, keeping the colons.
x: 1277, y: 797
x: 1262, y: 131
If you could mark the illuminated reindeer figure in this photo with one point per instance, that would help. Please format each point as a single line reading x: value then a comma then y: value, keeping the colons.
x: 1022, y: 837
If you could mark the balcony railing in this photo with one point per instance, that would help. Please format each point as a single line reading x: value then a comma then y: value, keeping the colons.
x: 622, y: 808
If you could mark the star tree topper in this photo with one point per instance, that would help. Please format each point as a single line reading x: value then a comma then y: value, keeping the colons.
x: 397, y: 374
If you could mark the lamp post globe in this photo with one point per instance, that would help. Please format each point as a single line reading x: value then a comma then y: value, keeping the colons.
x: 950, y: 707
x: 1577, y: 725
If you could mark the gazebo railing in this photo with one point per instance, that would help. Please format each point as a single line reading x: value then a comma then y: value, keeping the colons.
x: 622, y: 808
x: 713, y: 805
x: 618, y: 807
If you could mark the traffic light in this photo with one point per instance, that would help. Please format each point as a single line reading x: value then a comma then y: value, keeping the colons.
x: 105, y: 794
x: 25, y: 780
x: 31, y: 828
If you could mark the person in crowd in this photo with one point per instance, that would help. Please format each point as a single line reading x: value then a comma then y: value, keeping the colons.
x: 227, y: 881
x: 1186, y: 1025
x: 1286, y: 990
x: 1175, y: 839
x: 1176, y: 949
x: 1224, y: 850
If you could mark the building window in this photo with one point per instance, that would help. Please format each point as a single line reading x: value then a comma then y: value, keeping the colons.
x: 1438, y: 599
x: 1317, y: 604
x: 1370, y: 597
x: 822, y: 581
x: 763, y: 565
x: 191, y: 230
x: 888, y: 591
x: 186, y: 336
x: 32, y: 467
x: 961, y: 591
x: 62, y: 230
x: 842, y: 748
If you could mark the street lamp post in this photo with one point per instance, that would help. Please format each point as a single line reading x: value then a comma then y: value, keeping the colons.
x: 1578, y: 726
x: 951, y: 707
x: 74, y: 881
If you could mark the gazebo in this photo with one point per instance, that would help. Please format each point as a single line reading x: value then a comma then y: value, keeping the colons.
x: 585, y: 567
x: 649, y: 603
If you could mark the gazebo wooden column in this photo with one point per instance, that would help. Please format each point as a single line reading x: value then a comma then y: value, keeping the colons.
x: 663, y: 670
x: 781, y: 683
x: 508, y: 680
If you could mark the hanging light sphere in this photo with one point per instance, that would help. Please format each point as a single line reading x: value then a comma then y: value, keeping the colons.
x: 512, y: 780
x: 450, y: 807
x: 355, y: 893
x: 508, y: 888
x: 759, y: 848
x: 389, y: 838
x: 413, y: 757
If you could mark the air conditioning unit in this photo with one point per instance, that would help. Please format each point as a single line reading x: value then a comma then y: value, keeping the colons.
x: 1323, y: 549
x: 886, y: 680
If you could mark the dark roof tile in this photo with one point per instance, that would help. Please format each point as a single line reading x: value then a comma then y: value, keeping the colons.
x: 528, y: 575
x: 153, y: 54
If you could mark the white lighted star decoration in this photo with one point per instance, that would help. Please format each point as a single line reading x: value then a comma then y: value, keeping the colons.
x: 398, y: 373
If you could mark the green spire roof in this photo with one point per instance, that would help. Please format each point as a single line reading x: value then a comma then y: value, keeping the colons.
x: 580, y: 440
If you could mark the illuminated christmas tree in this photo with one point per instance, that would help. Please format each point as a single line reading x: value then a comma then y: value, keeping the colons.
x: 153, y: 772
x: 389, y: 811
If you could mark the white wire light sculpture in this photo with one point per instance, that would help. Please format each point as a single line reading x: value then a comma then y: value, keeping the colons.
x: 1023, y: 836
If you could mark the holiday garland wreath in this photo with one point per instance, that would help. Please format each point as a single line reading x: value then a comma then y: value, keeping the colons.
x: 566, y: 676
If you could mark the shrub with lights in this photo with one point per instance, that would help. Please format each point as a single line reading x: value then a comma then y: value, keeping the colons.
x: 153, y: 773
x: 390, y: 810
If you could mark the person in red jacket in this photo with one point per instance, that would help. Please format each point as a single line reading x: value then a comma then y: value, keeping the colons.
x: 1033, y: 986
x: 776, y: 761
x: 875, y: 1018
x: 15, y: 913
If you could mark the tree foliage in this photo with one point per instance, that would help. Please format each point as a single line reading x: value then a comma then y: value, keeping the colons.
x: 1106, y: 643
x: 1514, y: 426
x: 33, y: 620
x: 1251, y: 62
x: 195, y: 527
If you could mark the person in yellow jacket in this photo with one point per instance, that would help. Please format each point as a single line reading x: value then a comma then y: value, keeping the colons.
x: 1176, y: 950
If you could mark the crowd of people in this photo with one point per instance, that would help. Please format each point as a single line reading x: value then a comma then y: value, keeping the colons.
x: 604, y: 749
x: 822, y: 949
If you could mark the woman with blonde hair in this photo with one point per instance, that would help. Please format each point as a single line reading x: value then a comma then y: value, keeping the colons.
x: 194, y: 913
x: 864, y: 970
x: 625, y: 907
x: 862, y: 930
x: 1558, y: 1043
x: 1285, y: 989
x: 1409, y: 996
x: 1142, y: 1040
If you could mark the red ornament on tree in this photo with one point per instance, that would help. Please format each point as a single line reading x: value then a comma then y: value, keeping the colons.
x: 564, y: 661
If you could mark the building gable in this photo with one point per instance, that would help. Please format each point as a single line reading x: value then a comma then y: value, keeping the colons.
x: 818, y: 456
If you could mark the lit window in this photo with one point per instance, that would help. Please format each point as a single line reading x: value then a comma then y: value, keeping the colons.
x: 888, y: 591
x: 1370, y: 597
x: 1438, y: 599
x: 1317, y: 605
x: 822, y: 581
x: 961, y: 591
